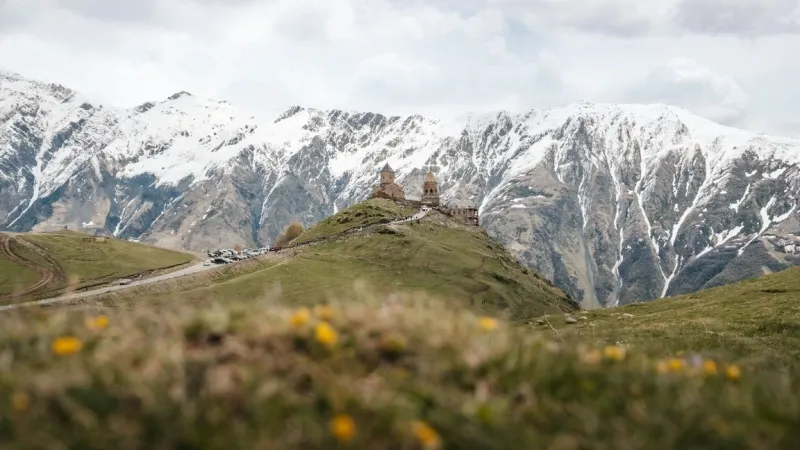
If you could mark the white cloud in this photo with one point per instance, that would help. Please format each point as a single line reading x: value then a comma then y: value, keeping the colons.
x: 685, y: 83
x: 746, y: 17
x: 437, y: 57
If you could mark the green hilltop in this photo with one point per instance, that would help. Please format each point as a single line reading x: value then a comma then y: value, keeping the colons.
x: 358, y: 246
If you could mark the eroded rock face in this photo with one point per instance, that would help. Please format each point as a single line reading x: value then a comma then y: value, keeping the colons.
x: 611, y: 203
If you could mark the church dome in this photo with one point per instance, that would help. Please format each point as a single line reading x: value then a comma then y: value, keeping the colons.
x: 429, y: 178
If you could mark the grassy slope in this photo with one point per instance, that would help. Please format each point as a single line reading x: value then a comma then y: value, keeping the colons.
x: 244, y: 375
x: 755, y: 322
x: 453, y: 262
x: 13, y: 277
x: 362, y: 214
x: 245, y: 372
x: 88, y: 262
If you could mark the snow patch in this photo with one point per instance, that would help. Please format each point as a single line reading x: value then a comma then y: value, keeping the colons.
x: 765, y: 223
x: 784, y: 216
x: 723, y: 237
x: 735, y: 206
x: 704, y: 251
x: 775, y: 173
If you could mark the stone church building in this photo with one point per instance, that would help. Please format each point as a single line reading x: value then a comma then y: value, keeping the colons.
x: 388, y: 188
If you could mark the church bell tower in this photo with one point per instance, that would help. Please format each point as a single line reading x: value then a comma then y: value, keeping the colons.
x: 430, y: 190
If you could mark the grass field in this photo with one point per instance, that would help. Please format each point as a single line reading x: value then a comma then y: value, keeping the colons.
x: 755, y: 323
x: 362, y: 214
x: 394, y: 339
x: 78, y: 261
x: 370, y: 372
x: 455, y: 263
x: 13, y: 277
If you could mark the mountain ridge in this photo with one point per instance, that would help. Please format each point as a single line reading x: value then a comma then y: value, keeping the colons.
x: 613, y: 203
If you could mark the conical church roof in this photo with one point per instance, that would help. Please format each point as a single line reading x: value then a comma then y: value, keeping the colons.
x: 430, y: 178
x: 387, y: 168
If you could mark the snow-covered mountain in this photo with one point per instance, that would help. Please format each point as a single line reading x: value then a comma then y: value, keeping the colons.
x: 614, y: 203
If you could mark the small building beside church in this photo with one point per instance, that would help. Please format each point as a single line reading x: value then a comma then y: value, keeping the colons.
x: 467, y: 216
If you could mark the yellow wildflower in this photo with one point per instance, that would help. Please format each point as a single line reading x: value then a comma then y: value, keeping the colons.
x: 426, y: 435
x: 676, y: 365
x: 710, y: 367
x: 323, y: 312
x: 343, y: 427
x: 662, y: 367
x: 300, y: 317
x: 66, y: 345
x: 326, y: 334
x: 97, y: 323
x: 733, y: 372
x: 614, y: 352
x: 487, y: 323
x: 20, y: 401
x: 592, y: 357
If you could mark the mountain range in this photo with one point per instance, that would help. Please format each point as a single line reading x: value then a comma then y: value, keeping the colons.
x: 613, y: 203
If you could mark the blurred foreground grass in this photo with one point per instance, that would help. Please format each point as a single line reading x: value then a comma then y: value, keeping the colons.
x: 372, y: 372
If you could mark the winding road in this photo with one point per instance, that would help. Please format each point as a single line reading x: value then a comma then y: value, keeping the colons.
x: 49, y: 272
x: 79, y: 295
x: 200, y: 267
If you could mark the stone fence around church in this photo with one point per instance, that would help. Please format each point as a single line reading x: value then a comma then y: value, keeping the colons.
x: 409, y: 203
x: 467, y: 216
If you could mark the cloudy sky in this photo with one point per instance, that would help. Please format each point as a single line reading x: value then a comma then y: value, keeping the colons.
x: 734, y: 61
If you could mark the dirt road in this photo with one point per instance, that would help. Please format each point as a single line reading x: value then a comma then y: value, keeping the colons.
x: 49, y: 272
x: 63, y: 298
x: 176, y: 274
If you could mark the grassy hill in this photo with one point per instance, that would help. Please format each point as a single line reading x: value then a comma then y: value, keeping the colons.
x: 15, y: 277
x: 369, y: 212
x: 754, y: 322
x: 412, y: 356
x: 39, y: 263
x: 455, y: 263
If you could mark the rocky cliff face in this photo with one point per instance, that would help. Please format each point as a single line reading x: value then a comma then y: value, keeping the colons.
x: 614, y: 203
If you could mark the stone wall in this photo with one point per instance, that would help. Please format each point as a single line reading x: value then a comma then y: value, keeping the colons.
x: 409, y: 203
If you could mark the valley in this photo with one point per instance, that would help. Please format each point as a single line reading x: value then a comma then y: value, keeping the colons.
x: 612, y: 203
